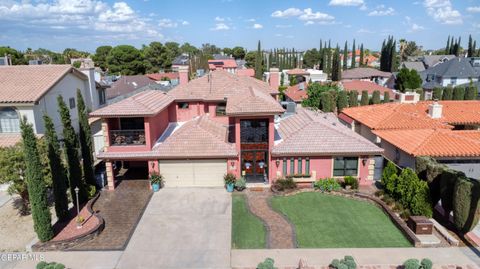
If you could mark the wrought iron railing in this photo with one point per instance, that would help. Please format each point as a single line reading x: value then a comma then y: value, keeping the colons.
x: 127, y: 137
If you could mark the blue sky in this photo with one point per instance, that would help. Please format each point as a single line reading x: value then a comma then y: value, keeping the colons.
x: 86, y: 24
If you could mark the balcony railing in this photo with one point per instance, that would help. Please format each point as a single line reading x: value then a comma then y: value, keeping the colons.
x: 127, y: 137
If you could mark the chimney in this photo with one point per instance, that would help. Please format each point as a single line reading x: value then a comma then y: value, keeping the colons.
x: 183, y: 75
x: 274, y: 78
x: 435, y: 110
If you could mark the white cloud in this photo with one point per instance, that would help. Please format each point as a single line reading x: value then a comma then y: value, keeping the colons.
x: 346, y: 3
x: 443, y: 12
x: 382, y: 10
x: 219, y: 19
x: 250, y: 20
x: 309, y: 23
x: 473, y: 9
x: 257, y: 26
x: 308, y: 15
x: 185, y: 23
x: 220, y: 27
x: 167, y: 23
x: 412, y: 27
x: 289, y: 12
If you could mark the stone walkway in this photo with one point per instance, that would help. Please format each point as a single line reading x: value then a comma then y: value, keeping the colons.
x: 121, y: 209
x: 281, y: 234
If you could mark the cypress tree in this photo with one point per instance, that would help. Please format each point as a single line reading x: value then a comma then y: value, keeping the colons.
x: 458, y: 93
x: 352, y: 98
x: 258, y: 62
x: 327, y: 102
x: 361, y: 63
x: 376, y: 97
x: 451, y: 48
x: 354, y: 55
x: 386, y: 97
x: 85, y: 138
x: 471, y: 51
x: 383, y: 57
x: 345, y: 56
x: 447, y: 93
x: 421, y: 93
x: 329, y: 59
x: 437, y: 93
x: 71, y: 152
x: 57, y: 169
x: 471, y: 92
x: 336, y: 68
x: 364, y: 100
x: 35, y: 184
x: 447, y: 47
x: 342, y: 100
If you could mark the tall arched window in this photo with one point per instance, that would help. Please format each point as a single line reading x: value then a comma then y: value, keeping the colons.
x: 9, y: 120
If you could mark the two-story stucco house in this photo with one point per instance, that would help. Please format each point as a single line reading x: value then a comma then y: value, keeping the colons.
x: 223, y: 123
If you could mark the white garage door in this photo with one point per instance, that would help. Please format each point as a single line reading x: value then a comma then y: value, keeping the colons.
x: 203, y: 173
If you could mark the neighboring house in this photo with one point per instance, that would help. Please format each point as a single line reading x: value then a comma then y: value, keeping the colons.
x: 128, y: 84
x: 366, y: 74
x: 296, y: 93
x: 441, y: 130
x: 454, y: 72
x: 228, y: 64
x: 368, y: 60
x: 223, y: 123
x: 182, y: 60
x: 300, y: 75
x: 5, y: 60
x: 173, y: 77
x: 31, y: 91
x: 417, y: 66
x: 430, y: 61
x: 84, y: 62
x: 362, y: 85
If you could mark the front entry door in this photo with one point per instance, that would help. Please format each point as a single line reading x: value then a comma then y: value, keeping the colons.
x: 254, y: 166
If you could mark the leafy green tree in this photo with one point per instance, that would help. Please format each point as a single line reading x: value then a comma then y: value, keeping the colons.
x: 437, y: 93
x: 342, y: 100
x: 458, y: 93
x: 239, y: 52
x: 352, y: 98
x: 364, y: 101
x: 354, y: 55
x: 71, y: 151
x: 345, y: 56
x: 376, y: 97
x: 17, y: 57
x: 59, y: 177
x: 314, y: 93
x: 389, y: 177
x: 447, y: 93
x: 85, y: 139
x: 471, y: 92
x: 327, y: 102
x: 227, y: 51
x: 250, y: 58
x: 35, y: 184
x: 386, y: 97
x: 125, y: 60
x: 210, y: 49
x: 311, y: 58
x: 188, y: 49
x: 258, y: 62
x: 155, y: 56
x: 408, y: 79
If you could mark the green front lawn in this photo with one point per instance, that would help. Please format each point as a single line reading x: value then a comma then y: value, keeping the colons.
x: 327, y: 221
x: 248, y: 231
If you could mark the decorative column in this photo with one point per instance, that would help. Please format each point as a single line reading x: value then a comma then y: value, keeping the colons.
x: 110, y: 175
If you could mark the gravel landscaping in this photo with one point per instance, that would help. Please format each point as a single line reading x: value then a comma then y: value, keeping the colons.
x: 16, y: 231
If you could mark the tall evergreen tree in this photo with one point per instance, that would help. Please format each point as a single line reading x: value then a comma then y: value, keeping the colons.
x: 354, y: 55
x: 57, y: 169
x: 471, y: 92
x: 376, y: 97
x: 388, y: 57
x: 447, y: 93
x: 386, y: 97
x: 352, y: 98
x: 364, y: 101
x: 345, y: 57
x: 71, y: 152
x: 447, y: 47
x: 42, y: 219
x: 458, y: 93
x: 336, y: 67
x: 327, y: 102
x: 470, y: 46
x: 85, y: 138
x: 258, y: 62
x: 361, y: 63
x: 437, y: 93
x: 342, y: 100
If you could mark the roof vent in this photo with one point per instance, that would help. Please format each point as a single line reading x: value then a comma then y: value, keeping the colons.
x: 435, y: 110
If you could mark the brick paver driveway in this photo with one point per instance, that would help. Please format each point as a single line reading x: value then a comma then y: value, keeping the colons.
x: 182, y: 228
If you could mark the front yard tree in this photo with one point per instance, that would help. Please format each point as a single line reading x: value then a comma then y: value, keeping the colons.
x: 35, y: 184
x: 342, y: 100
x: 364, y: 100
x: 57, y: 169
x: 71, y: 152
x: 85, y: 137
x: 376, y: 97
x: 352, y: 98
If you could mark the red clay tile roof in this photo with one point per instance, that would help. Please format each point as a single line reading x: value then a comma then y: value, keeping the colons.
x: 294, y: 92
x: 319, y: 134
x: 434, y: 142
x: 160, y: 76
x: 361, y: 85
x: 28, y: 83
x: 147, y: 103
x: 364, y: 73
x: 9, y: 140
x: 127, y: 84
x: 297, y: 71
x: 254, y: 102
x: 246, y: 72
x: 415, y: 116
x: 226, y: 63
x: 217, y: 86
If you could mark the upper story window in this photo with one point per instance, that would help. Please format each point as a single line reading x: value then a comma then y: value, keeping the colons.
x: 345, y: 166
x: 101, y: 97
x: 71, y: 102
x: 183, y: 105
x: 254, y: 131
x: 221, y: 109
x: 132, y: 124
x: 9, y: 120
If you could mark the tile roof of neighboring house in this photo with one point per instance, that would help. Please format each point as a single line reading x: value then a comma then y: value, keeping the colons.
x: 28, y: 83
x: 181, y: 60
x: 316, y: 133
x: 297, y: 71
x: 434, y: 142
x: 253, y: 101
x: 361, y: 85
x: 9, y: 140
x: 222, y: 57
x: 246, y: 72
x: 417, y: 66
x: 415, y: 116
x: 363, y: 73
x: 297, y: 92
x: 224, y: 63
x: 457, y: 67
x: 160, y: 76
x: 432, y: 60
x: 127, y: 84
x: 146, y: 103
x: 218, y: 85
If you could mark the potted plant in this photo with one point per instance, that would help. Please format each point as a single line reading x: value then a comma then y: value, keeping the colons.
x: 229, y: 181
x: 240, y: 184
x: 156, y: 180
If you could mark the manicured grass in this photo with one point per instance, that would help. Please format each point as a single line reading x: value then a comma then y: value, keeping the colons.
x: 248, y: 231
x: 327, y: 221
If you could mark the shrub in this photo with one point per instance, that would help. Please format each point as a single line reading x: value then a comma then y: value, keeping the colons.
x: 411, y: 264
x: 388, y: 172
x: 405, y: 214
x: 465, y: 204
x: 346, y: 263
x: 351, y: 181
x: 229, y: 178
x: 379, y: 193
x: 156, y: 178
x: 51, y: 265
x: 267, y: 264
x: 240, y: 184
x: 91, y: 191
x: 426, y: 263
x: 287, y: 183
x: 447, y: 188
x: 328, y: 185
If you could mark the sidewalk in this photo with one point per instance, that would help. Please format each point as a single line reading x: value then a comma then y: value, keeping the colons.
x: 320, y: 258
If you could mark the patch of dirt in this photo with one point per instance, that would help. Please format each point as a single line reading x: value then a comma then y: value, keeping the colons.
x: 16, y: 231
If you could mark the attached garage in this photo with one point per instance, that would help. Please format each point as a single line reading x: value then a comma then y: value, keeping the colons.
x: 193, y: 173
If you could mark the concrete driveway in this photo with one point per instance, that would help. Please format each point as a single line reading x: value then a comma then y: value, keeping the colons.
x: 182, y: 228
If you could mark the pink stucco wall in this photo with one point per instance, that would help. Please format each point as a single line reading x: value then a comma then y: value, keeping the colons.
x: 194, y: 109
x: 156, y: 126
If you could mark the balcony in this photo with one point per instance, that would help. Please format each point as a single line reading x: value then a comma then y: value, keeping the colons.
x: 127, y: 137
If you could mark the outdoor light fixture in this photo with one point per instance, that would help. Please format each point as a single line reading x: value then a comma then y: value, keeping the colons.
x: 232, y: 163
x: 277, y: 162
x: 364, y: 162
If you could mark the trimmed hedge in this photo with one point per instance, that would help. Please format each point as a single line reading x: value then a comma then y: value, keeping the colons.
x: 466, y: 204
